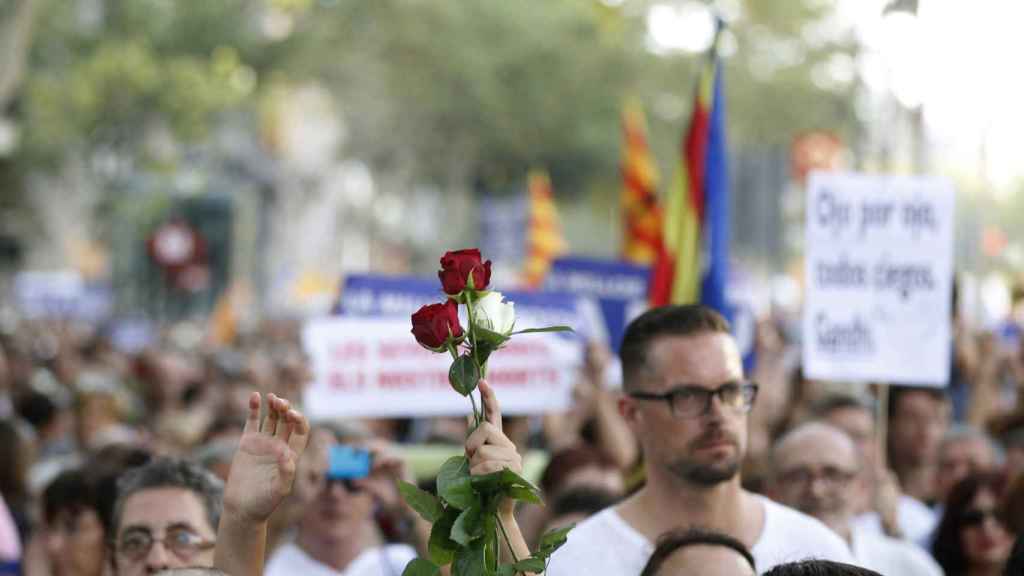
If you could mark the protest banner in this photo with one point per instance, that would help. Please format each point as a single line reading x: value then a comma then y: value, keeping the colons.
x: 366, y: 362
x: 61, y: 294
x: 619, y: 289
x: 372, y: 367
x: 879, y: 272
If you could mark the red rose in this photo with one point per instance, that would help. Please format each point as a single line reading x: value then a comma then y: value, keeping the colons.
x: 456, y: 268
x: 434, y: 324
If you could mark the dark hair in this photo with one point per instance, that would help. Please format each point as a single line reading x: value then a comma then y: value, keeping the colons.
x: 171, y: 473
x: 566, y: 461
x: 687, y: 320
x: 947, y: 548
x: 37, y: 409
x: 819, y: 568
x: 897, y: 393
x: 672, y: 541
x: 1015, y: 564
x: 840, y: 401
x: 106, y: 467
x: 14, y: 456
x: 587, y: 501
x: 71, y: 491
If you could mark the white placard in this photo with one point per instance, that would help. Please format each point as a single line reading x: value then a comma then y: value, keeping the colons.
x: 373, y: 367
x: 878, y: 277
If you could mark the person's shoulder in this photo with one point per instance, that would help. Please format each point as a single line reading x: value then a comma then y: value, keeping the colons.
x: 802, y: 531
x: 601, y: 544
x: 285, y: 559
x: 895, y: 555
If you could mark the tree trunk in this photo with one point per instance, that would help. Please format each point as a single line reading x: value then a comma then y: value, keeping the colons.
x: 15, y: 41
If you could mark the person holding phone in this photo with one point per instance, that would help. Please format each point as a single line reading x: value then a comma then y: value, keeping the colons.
x: 345, y: 482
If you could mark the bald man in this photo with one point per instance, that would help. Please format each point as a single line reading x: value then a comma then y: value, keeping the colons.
x: 815, y: 471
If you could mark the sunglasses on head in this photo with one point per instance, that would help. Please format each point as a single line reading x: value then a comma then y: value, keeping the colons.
x: 973, y: 518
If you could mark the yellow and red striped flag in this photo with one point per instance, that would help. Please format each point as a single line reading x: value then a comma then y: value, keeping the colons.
x: 641, y: 213
x: 544, y: 239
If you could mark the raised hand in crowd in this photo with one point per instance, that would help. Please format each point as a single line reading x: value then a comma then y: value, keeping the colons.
x: 489, y: 450
x: 261, y: 477
x: 597, y: 405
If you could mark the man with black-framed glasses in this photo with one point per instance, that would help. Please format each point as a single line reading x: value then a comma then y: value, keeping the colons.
x: 686, y: 400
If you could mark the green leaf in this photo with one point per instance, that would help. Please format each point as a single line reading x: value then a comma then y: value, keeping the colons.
x: 506, y: 570
x: 460, y: 494
x: 547, y: 329
x: 424, y: 503
x: 421, y: 567
x: 464, y: 375
x: 468, y: 526
x: 490, y: 338
x: 469, y: 560
x: 453, y: 469
x: 440, y: 546
x: 552, y: 541
x: 525, y: 495
x: 491, y: 544
x: 532, y: 564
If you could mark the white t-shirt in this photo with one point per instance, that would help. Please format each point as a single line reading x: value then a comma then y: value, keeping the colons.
x: 390, y: 560
x: 887, y: 555
x: 917, y: 521
x: 606, y: 544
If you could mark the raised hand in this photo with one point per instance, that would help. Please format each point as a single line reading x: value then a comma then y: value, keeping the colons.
x: 487, y: 448
x: 263, y: 469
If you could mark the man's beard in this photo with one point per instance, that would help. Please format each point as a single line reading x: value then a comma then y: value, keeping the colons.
x: 703, y: 474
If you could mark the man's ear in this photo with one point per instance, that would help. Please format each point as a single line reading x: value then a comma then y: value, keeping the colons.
x: 628, y: 409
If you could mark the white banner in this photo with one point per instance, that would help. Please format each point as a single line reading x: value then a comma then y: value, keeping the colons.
x: 373, y: 367
x: 878, y: 277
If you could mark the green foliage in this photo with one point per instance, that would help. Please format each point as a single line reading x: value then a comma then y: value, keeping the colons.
x: 464, y: 375
x: 424, y: 503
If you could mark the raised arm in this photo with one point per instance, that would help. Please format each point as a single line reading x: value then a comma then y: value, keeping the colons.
x: 489, y: 450
x: 261, y: 476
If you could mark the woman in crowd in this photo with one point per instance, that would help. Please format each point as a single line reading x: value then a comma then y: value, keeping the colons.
x: 972, y: 539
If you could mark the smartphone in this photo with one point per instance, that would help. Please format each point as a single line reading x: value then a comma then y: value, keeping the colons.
x: 348, y: 463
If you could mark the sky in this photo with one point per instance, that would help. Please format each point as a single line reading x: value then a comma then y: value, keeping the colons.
x: 957, y: 59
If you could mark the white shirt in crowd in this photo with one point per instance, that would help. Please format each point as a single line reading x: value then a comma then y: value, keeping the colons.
x: 887, y: 555
x: 916, y: 520
x: 606, y: 544
x: 389, y: 560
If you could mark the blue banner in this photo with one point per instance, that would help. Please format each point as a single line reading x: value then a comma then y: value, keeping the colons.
x: 373, y: 295
x: 619, y: 288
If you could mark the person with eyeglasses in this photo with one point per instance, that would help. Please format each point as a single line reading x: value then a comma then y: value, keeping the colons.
x: 974, y: 538
x: 172, y: 513
x: 686, y: 400
x: 815, y: 470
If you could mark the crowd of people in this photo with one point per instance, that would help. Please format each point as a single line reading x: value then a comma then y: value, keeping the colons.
x: 190, y: 458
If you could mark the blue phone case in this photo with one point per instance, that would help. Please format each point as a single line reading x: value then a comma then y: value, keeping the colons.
x: 348, y: 463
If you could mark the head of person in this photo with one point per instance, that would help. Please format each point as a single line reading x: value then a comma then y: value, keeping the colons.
x: 855, y: 416
x: 693, y: 552
x: 972, y: 534
x: 819, y: 568
x: 575, y: 505
x: 918, y: 418
x: 165, y: 516
x: 581, y: 466
x: 814, y: 466
x: 74, y: 533
x: 685, y: 396
x: 332, y: 510
x: 963, y: 451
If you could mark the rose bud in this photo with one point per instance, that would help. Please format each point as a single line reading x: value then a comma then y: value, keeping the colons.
x: 461, y: 268
x: 434, y: 325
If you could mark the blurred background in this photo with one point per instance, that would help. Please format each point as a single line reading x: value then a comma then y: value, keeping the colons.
x: 157, y: 156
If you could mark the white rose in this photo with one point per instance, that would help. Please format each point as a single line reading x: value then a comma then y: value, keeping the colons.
x: 492, y: 313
